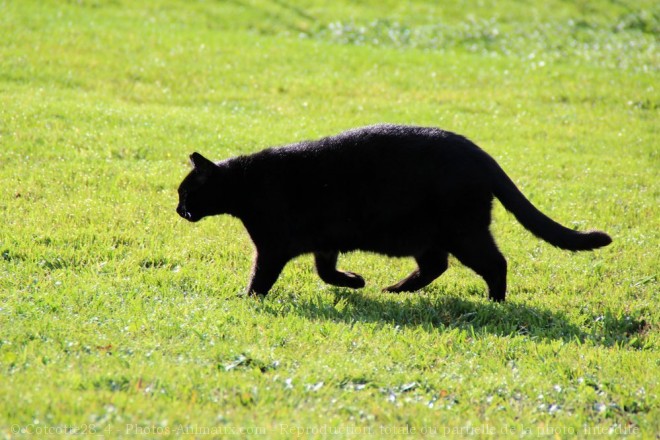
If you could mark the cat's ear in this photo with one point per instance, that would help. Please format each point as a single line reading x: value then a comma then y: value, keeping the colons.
x: 201, y: 163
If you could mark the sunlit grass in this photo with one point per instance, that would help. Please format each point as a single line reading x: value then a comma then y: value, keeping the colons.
x: 116, y: 313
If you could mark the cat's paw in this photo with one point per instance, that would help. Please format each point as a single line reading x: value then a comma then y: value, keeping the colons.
x: 345, y: 279
x: 252, y: 294
x: 353, y: 280
x: 397, y: 288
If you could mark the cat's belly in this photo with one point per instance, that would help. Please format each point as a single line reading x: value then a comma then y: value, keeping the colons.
x: 393, y: 239
x: 394, y: 226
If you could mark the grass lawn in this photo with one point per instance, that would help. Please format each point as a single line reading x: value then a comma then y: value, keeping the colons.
x: 119, y: 318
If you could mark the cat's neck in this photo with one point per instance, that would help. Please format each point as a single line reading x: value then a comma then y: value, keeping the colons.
x: 228, y: 183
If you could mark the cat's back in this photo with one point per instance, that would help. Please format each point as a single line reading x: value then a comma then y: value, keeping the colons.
x: 372, y: 156
x: 375, y: 143
x: 382, y: 138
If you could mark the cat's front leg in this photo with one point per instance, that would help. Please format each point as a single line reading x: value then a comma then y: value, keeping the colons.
x: 326, y: 266
x: 265, y: 271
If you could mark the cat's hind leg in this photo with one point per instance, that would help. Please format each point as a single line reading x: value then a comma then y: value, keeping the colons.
x: 479, y: 252
x: 431, y: 264
x: 326, y: 266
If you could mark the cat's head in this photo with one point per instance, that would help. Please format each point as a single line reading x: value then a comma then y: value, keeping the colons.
x: 198, y: 196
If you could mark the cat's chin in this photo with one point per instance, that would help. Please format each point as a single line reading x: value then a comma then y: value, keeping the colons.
x: 188, y: 216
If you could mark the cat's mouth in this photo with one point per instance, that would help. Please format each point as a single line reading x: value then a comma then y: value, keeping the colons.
x: 187, y: 215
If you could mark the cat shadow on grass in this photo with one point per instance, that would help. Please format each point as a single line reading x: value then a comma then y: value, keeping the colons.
x: 439, y: 310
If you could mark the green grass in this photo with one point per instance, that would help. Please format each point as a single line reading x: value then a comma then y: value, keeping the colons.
x: 116, y: 316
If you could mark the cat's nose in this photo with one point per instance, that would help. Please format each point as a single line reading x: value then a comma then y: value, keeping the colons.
x: 182, y: 212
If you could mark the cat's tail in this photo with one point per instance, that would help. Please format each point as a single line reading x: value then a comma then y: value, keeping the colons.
x: 538, y: 223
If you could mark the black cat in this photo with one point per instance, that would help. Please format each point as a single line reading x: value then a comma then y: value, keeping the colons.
x: 396, y: 190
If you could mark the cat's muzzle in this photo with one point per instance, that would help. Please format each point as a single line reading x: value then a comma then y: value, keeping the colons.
x: 183, y: 213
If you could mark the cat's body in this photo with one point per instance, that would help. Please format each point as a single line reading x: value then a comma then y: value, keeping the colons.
x: 394, y: 190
